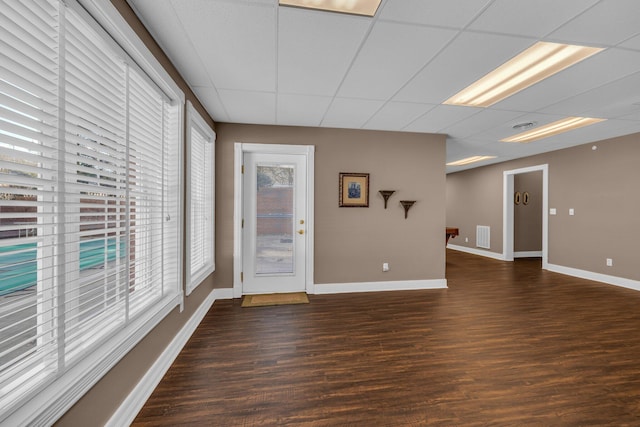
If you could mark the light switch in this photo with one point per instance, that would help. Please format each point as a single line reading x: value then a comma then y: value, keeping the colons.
x: 552, y: 211
x: 571, y: 211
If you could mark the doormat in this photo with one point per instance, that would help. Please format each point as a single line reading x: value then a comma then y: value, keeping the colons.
x: 262, y: 300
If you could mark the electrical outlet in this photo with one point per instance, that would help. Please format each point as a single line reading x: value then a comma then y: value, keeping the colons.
x: 609, y: 262
x: 466, y: 240
x: 385, y: 266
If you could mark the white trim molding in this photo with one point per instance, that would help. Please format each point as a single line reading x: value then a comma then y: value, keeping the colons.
x: 476, y: 251
x: 238, y: 159
x: 569, y: 271
x: 134, y: 402
x: 196, y: 126
x: 598, y: 277
x: 508, y: 215
x: 527, y: 254
x: 405, y: 285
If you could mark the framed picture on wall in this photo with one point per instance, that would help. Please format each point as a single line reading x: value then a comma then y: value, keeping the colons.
x: 354, y: 190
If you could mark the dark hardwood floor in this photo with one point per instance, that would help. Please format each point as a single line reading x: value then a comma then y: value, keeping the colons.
x: 507, y: 344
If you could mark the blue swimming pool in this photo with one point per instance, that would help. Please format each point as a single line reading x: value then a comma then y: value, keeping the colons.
x: 18, y: 263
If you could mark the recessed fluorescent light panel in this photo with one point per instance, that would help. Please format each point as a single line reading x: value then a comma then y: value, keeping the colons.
x: 551, y: 129
x: 356, y: 7
x: 470, y: 160
x: 540, y: 61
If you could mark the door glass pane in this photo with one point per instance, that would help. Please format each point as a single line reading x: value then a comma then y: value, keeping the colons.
x: 274, y: 219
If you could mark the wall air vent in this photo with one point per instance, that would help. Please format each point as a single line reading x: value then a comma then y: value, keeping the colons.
x: 483, y: 236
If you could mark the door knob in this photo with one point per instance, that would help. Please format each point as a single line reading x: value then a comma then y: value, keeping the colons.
x: 300, y: 231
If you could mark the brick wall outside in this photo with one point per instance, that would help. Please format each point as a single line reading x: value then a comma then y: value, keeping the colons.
x: 274, y: 209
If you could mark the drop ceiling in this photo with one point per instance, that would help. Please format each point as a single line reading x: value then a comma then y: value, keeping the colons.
x: 251, y: 61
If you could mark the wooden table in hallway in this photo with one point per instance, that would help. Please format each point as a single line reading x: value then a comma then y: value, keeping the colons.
x: 450, y: 232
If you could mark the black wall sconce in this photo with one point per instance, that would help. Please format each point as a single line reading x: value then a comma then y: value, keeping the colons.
x: 385, y: 195
x: 406, y: 204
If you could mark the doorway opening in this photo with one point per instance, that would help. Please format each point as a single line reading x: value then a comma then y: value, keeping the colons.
x: 511, y: 197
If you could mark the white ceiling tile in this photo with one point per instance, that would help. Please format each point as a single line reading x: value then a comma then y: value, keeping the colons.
x: 441, y: 117
x: 397, y: 115
x: 603, y: 130
x: 315, y: 49
x: 211, y: 101
x: 632, y: 43
x: 449, y: 13
x: 587, y: 134
x: 505, y: 129
x: 478, y: 122
x: 608, y: 101
x: 584, y: 76
x: 579, y: 136
x: 160, y: 20
x: 350, y: 113
x: 236, y: 41
x: 455, y: 152
x: 249, y: 107
x: 525, y: 17
x: 302, y: 110
x: 392, y: 54
x: 634, y: 117
x: 460, y: 149
x: 607, y: 23
x: 468, y: 57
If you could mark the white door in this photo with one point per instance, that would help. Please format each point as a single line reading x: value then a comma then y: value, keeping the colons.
x: 274, y: 217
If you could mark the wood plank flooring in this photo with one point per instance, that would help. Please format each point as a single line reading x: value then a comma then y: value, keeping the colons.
x: 507, y: 344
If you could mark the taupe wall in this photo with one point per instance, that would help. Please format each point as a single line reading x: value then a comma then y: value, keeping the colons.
x: 601, y: 185
x: 352, y: 243
x: 469, y: 203
x: 527, y: 218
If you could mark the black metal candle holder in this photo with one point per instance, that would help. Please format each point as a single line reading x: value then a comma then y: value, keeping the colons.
x: 385, y: 195
x: 406, y: 204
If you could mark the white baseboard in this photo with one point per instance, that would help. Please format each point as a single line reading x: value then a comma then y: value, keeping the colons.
x: 134, y: 402
x: 527, y: 254
x: 476, y: 251
x: 598, y: 277
x: 404, y: 285
x: 223, y: 293
x: 583, y: 274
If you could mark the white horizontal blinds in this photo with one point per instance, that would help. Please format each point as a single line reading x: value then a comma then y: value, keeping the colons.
x: 89, y: 197
x: 146, y: 168
x: 201, y: 192
x: 95, y: 189
x: 28, y: 160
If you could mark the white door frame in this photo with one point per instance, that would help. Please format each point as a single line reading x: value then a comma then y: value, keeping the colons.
x: 239, y: 149
x: 507, y: 212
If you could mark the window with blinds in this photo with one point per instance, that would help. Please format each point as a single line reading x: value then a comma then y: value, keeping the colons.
x: 200, y: 197
x: 89, y: 199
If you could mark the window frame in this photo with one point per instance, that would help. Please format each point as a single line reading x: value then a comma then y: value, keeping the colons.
x: 195, y: 122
